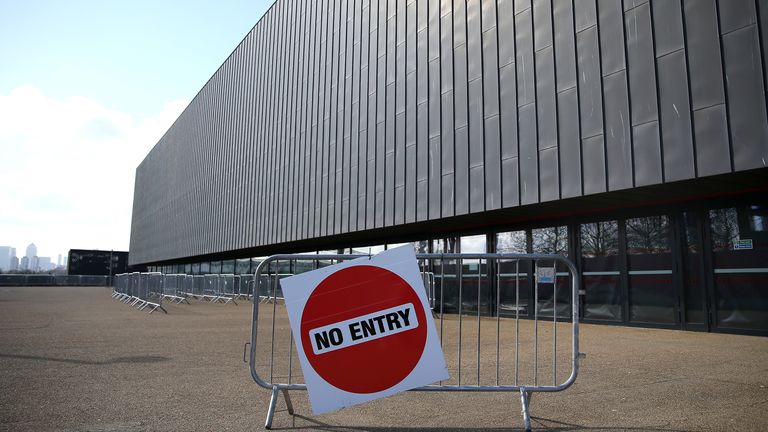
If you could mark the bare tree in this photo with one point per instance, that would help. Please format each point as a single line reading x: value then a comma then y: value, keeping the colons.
x: 648, y: 235
x: 600, y: 239
x: 724, y: 226
x: 511, y: 242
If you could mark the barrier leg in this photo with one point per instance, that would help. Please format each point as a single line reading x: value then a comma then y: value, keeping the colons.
x: 156, y: 307
x: 273, y: 405
x: 228, y: 299
x: 524, y: 401
x: 271, y: 410
x: 288, y: 402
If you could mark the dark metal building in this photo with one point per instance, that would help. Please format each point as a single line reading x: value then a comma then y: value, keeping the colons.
x: 632, y: 136
x: 97, y: 262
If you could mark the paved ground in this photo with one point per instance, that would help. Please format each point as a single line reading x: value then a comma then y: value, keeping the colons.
x: 72, y: 359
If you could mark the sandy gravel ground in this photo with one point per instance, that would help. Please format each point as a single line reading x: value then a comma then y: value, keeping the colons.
x: 73, y: 359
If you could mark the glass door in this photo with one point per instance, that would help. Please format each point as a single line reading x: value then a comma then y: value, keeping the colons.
x: 652, y: 292
x: 739, y: 242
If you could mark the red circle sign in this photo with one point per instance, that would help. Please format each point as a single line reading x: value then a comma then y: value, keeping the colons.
x: 363, y: 329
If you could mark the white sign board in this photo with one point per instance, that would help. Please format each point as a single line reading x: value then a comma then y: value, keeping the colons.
x: 545, y: 275
x: 363, y: 329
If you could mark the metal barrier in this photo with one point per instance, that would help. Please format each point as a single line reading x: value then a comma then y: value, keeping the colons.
x: 124, y: 288
x: 140, y: 290
x: 245, y: 287
x: 517, y: 301
x: 193, y: 286
x: 227, y: 288
x: 212, y: 286
x: 154, y: 292
x: 173, y: 288
x: 120, y: 290
x: 264, y: 289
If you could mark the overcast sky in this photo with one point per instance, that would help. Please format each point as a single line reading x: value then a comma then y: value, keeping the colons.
x: 86, y: 89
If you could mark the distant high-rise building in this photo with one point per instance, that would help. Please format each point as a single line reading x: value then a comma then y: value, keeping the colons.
x: 44, y: 264
x: 14, y: 263
x: 6, y: 252
x: 58, y: 260
x: 31, y: 251
x: 31, y: 262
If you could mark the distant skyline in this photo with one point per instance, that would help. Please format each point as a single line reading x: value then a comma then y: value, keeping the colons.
x: 24, y: 250
x: 86, y: 90
x: 12, y: 259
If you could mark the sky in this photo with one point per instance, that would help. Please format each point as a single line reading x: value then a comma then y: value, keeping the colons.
x: 87, y: 88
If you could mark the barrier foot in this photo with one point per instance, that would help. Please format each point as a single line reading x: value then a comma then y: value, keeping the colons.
x: 272, y: 404
x: 156, y: 307
x: 524, y: 401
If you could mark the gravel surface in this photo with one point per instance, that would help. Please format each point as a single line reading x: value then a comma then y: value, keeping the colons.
x: 73, y: 359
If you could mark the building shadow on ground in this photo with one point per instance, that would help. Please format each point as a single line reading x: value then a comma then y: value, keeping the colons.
x: 116, y: 360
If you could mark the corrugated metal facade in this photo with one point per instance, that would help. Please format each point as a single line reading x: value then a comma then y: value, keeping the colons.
x: 336, y: 116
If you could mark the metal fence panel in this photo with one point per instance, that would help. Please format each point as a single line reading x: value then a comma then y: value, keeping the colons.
x: 174, y: 288
x: 507, y: 322
x: 93, y: 280
x: 245, y: 286
x: 141, y: 290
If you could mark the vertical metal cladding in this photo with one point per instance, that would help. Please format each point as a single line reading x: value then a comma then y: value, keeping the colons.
x: 336, y: 116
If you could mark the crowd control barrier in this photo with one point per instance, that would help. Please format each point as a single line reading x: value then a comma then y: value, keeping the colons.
x: 140, y: 290
x: 214, y: 286
x: 224, y: 288
x: 506, y: 322
x: 149, y: 290
x: 173, y: 288
x: 193, y: 286
x: 245, y: 287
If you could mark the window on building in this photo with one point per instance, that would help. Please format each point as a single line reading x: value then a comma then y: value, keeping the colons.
x: 514, y: 277
x: 557, y: 296
x: 475, y: 291
x: 215, y: 267
x: 243, y: 266
x: 228, y: 267
x: 601, y: 273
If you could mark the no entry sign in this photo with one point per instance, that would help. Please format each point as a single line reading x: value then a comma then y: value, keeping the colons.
x: 363, y: 329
